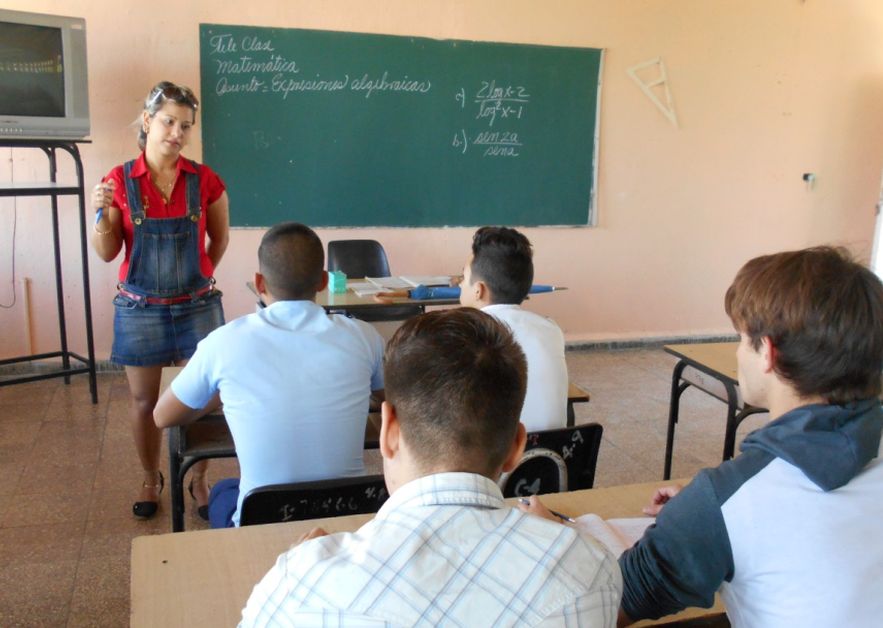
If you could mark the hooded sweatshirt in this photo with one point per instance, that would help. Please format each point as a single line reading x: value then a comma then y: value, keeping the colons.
x: 789, y: 531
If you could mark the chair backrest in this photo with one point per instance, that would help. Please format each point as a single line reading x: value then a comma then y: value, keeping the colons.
x: 576, y: 446
x: 540, y: 470
x: 358, y: 258
x: 313, y: 500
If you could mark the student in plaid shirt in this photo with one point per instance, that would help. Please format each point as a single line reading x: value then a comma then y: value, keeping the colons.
x: 445, y: 549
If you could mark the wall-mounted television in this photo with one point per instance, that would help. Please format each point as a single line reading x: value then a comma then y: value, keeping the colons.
x: 44, y: 86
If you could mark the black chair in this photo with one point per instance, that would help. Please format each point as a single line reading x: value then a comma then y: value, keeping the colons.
x: 313, y: 500
x: 540, y: 470
x: 358, y: 258
x: 366, y: 258
x: 574, y: 447
x: 210, y: 437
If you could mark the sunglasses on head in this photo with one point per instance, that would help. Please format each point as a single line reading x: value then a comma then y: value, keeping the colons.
x: 175, y: 93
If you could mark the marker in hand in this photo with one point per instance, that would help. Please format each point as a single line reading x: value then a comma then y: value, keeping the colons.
x: 103, y: 188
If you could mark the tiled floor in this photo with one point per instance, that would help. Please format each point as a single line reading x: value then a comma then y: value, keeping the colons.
x: 68, y: 474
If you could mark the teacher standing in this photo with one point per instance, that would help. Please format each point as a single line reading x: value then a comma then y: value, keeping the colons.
x: 171, y: 215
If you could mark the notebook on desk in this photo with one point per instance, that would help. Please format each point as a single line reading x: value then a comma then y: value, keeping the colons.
x: 364, y: 288
x: 617, y: 535
x: 404, y: 282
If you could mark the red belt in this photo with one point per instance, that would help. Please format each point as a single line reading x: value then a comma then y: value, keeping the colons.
x: 165, y: 300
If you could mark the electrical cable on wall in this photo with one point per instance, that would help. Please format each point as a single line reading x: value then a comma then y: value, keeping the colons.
x: 14, y: 226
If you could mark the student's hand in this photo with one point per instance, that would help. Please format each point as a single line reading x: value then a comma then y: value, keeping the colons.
x: 659, y: 499
x: 536, y: 507
x: 315, y: 533
x: 456, y: 280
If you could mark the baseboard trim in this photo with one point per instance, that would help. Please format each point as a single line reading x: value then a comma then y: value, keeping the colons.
x: 645, y: 343
x: 106, y: 366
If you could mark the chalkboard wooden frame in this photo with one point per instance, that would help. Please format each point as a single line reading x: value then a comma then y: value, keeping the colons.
x: 342, y: 129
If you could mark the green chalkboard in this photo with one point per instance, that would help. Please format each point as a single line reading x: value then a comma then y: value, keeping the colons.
x: 345, y: 129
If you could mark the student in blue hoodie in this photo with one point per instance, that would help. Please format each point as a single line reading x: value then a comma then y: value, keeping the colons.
x: 788, y: 531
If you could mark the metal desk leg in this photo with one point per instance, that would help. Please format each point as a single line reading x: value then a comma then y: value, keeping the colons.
x: 677, y: 389
x: 730, y: 436
x: 733, y: 421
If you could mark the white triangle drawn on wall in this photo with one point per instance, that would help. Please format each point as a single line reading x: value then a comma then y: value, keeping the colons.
x: 667, y: 108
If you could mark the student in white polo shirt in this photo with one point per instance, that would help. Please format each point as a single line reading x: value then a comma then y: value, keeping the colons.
x: 295, y: 381
x: 496, y: 279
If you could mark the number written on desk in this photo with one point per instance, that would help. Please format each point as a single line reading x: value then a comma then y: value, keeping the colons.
x: 368, y: 499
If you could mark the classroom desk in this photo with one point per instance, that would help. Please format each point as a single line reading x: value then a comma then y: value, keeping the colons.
x: 209, y: 437
x: 204, y: 578
x: 710, y: 367
x: 575, y: 394
x: 352, y: 302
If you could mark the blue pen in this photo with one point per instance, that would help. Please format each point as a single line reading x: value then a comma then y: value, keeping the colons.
x: 100, y: 211
x: 539, y: 287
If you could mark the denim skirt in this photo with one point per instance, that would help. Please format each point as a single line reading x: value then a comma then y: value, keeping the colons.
x: 147, y: 334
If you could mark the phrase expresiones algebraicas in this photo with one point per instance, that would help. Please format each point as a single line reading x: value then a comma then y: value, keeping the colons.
x: 280, y: 82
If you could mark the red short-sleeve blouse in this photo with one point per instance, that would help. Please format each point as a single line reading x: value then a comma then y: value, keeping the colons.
x: 211, y: 187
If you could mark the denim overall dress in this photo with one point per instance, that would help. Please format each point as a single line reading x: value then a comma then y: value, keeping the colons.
x: 166, y: 305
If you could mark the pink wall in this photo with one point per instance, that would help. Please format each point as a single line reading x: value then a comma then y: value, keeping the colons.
x: 764, y: 91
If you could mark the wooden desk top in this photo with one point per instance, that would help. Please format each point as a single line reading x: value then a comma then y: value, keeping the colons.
x: 204, y: 578
x: 719, y: 357
x: 575, y: 394
x: 349, y: 300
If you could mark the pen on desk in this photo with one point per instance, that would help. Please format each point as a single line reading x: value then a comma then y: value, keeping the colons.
x: 563, y: 517
x: 541, y: 287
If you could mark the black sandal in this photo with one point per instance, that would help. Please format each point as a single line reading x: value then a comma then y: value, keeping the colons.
x: 202, y: 511
x: 145, y: 510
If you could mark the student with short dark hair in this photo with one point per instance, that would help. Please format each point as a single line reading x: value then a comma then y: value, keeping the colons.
x: 496, y: 279
x: 445, y: 549
x: 295, y: 381
x: 788, y: 531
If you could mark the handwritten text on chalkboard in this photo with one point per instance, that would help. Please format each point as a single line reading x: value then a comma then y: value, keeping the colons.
x: 252, y: 65
x: 275, y: 74
x: 506, y: 103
